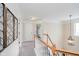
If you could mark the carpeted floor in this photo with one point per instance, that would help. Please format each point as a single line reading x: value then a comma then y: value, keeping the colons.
x: 27, y: 49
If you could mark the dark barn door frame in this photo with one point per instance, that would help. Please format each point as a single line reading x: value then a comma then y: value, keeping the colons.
x: 5, y: 26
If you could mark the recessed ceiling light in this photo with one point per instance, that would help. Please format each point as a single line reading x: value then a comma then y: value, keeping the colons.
x: 33, y: 18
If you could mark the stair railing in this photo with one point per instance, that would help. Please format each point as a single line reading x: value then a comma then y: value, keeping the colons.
x: 55, y: 51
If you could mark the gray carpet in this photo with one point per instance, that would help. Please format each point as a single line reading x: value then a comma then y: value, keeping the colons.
x: 27, y: 49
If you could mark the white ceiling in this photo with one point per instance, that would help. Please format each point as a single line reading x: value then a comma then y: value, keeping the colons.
x: 49, y: 11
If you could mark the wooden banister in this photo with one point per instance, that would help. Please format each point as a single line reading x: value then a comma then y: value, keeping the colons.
x: 44, y: 43
x: 68, y: 52
x: 54, y: 49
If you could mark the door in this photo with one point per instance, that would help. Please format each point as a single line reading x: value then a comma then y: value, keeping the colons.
x: 27, y: 31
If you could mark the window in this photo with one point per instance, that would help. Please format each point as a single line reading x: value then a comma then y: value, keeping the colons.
x: 76, y: 29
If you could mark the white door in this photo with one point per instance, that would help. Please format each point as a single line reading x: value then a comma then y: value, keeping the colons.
x: 27, y: 31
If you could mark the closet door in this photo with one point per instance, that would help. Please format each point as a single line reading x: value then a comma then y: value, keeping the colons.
x: 9, y: 27
x: 1, y: 26
x: 27, y: 31
x: 12, y: 27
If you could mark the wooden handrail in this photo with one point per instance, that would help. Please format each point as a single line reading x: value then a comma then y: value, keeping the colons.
x: 54, y: 49
x: 67, y: 51
x: 44, y: 43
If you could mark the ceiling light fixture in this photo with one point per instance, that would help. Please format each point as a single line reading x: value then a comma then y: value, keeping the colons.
x: 33, y: 18
x: 70, y: 39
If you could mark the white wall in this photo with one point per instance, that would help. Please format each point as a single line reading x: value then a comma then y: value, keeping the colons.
x: 13, y: 49
x: 54, y: 30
